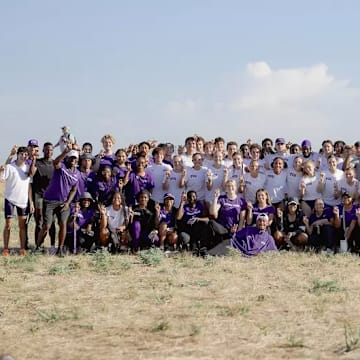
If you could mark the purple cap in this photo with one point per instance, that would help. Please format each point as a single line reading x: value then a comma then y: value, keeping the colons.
x: 280, y: 141
x: 306, y: 143
x: 33, y: 142
x: 169, y: 196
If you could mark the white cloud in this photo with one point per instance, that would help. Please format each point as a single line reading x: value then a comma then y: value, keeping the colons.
x: 295, y: 103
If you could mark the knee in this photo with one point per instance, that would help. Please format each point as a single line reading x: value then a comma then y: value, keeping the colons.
x: 279, y: 238
x: 184, y: 238
x: 301, y: 239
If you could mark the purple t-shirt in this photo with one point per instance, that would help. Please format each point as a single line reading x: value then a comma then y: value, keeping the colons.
x: 104, y: 191
x: 85, y: 183
x: 190, y: 212
x: 326, y: 214
x: 250, y: 241
x: 349, y: 215
x: 135, y: 184
x: 256, y: 211
x: 107, y: 160
x: 84, y: 217
x: 229, y: 212
x: 62, y: 181
x: 168, y: 217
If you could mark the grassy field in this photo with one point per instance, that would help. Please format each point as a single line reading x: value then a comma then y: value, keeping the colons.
x: 274, y: 306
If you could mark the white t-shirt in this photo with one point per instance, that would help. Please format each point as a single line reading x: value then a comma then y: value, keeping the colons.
x: 174, y: 189
x: 276, y: 185
x: 157, y: 172
x: 17, y: 182
x: 351, y: 189
x: 196, y: 180
x: 311, y: 184
x: 329, y: 187
x: 234, y: 174
x: 217, y: 176
x: 116, y: 218
x: 252, y: 185
x: 293, y: 179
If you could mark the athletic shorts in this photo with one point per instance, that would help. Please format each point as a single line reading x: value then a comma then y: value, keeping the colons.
x: 51, y: 208
x: 9, y: 210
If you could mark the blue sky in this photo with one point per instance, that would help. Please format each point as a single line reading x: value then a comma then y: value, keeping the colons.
x: 168, y: 69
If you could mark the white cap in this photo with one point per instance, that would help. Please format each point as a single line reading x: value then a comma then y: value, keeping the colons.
x: 262, y: 216
x: 73, y: 153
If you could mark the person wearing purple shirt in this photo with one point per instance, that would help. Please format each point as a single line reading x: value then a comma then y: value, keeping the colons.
x: 194, y: 231
x: 228, y: 210
x: 105, y: 186
x: 252, y: 240
x: 347, y: 222
x: 82, y: 217
x: 138, y: 180
x: 106, y: 155
x: 262, y: 205
x: 87, y: 175
x: 167, y: 223
x: 320, y: 228
x: 59, y: 195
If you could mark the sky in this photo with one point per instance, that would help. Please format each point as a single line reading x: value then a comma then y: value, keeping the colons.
x: 166, y: 70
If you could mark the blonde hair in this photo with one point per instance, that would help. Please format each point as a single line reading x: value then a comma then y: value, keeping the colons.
x: 108, y: 137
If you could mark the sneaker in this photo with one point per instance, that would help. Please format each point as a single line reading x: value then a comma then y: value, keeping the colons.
x: 23, y: 252
x: 52, y: 250
x: 61, y: 252
x: 329, y: 251
x: 6, y: 252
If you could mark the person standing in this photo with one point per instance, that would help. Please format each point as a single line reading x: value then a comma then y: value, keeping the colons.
x: 17, y: 189
x: 59, y: 195
x: 43, y: 174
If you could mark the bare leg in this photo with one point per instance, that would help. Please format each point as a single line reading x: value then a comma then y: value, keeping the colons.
x: 6, y: 233
x: 62, y: 233
x: 22, y: 231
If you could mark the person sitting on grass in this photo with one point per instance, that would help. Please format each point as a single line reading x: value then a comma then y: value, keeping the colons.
x: 319, y: 227
x: 194, y: 230
x: 144, y: 223
x: 83, y: 218
x: 347, y: 222
x: 167, y: 228
x: 252, y: 240
x: 289, y: 229
x: 114, y: 221
x: 228, y: 211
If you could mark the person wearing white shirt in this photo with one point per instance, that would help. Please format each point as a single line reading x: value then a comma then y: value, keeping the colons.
x: 158, y: 171
x: 196, y: 177
x: 329, y: 183
x: 17, y: 194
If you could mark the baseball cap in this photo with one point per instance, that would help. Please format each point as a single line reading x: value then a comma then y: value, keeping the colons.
x: 346, y: 193
x: 33, y: 142
x: 306, y: 143
x: 169, y: 196
x: 280, y: 141
x: 73, y: 153
x: 293, y: 200
x: 262, y: 216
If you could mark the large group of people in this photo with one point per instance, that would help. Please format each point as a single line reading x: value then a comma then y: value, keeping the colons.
x: 207, y: 195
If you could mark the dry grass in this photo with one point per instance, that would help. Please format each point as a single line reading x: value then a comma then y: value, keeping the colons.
x: 275, y: 306
x: 114, y: 307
